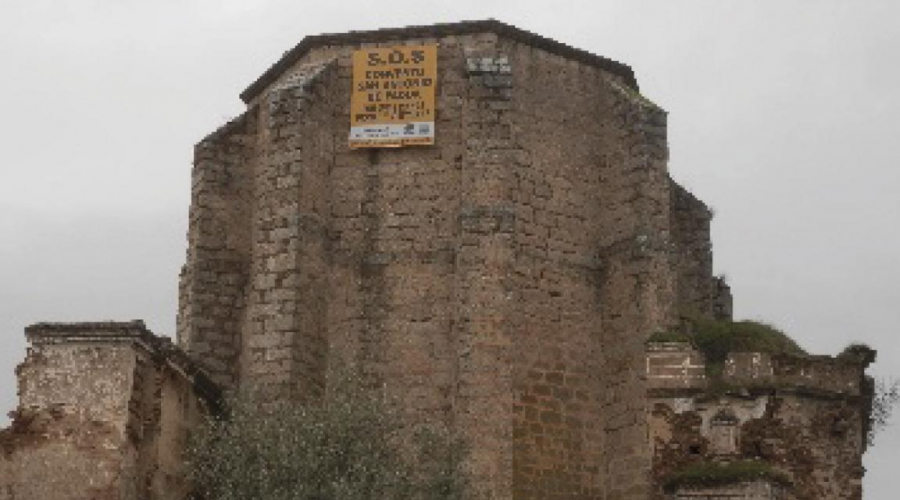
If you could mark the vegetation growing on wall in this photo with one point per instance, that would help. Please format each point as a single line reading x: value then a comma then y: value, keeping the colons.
x: 716, y: 338
x: 349, y: 447
x: 701, y: 474
x: 884, y: 393
x: 885, y: 398
x: 669, y: 337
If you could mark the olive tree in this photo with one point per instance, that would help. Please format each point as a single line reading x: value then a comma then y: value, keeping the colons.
x: 349, y: 445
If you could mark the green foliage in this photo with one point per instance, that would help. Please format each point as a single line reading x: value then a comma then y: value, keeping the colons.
x: 669, y: 337
x: 716, y: 338
x: 350, y: 446
x: 717, y: 474
x: 884, y: 394
x: 885, y: 398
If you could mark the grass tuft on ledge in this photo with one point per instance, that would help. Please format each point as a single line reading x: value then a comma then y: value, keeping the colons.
x: 709, y: 474
x: 666, y: 337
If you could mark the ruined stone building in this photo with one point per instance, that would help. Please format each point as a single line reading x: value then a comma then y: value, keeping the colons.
x: 503, y: 278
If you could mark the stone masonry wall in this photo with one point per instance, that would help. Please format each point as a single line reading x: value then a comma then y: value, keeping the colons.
x: 213, y: 280
x: 692, y: 255
x: 285, y: 331
x: 675, y: 365
x: 638, y: 290
x: 501, y: 282
x: 756, y: 490
x: 69, y: 435
x: 723, y: 307
x: 103, y: 415
x: 583, y: 259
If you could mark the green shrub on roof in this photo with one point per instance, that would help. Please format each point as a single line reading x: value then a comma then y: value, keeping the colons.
x: 716, y: 338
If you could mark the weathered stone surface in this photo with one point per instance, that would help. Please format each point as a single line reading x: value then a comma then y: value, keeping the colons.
x: 755, y: 490
x: 103, y: 414
x: 502, y: 282
x: 804, y: 416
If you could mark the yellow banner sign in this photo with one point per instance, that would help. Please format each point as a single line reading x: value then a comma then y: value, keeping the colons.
x: 392, y: 104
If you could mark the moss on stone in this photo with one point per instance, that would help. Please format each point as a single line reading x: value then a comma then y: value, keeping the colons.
x: 859, y: 351
x: 700, y: 474
x: 666, y: 337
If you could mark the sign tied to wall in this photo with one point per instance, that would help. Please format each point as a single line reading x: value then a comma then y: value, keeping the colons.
x: 392, y: 104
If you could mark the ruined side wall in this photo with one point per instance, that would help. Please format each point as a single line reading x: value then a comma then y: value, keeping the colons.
x: 818, y: 440
x: 169, y: 398
x: 103, y: 415
x: 802, y: 415
x: 69, y: 437
x: 179, y: 411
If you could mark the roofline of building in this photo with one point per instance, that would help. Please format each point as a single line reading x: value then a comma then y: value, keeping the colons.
x: 134, y: 328
x: 435, y: 31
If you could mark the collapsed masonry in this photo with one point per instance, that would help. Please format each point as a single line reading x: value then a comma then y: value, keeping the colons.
x: 503, y: 282
x: 104, y: 412
x: 768, y: 426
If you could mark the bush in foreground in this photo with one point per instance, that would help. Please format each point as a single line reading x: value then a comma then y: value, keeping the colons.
x: 349, y: 446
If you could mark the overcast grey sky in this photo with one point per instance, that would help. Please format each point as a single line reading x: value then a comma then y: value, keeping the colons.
x: 784, y: 117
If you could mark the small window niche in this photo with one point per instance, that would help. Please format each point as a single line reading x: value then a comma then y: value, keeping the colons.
x: 723, y: 433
